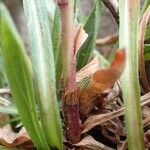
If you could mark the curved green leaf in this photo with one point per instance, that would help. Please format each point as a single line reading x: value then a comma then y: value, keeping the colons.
x: 19, y: 75
x: 44, y: 69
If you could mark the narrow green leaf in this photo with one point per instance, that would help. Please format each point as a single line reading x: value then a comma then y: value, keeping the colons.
x: 91, y: 28
x: 56, y: 40
x: 44, y: 69
x: 112, y: 52
x: 19, y: 75
x: 147, y: 51
x: 147, y: 34
x: 129, y: 20
x: 145, y: 6
x: 3, y: 78
x: 4, y: 148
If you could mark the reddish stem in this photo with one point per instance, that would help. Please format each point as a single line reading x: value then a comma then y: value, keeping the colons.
x: 70, y: 101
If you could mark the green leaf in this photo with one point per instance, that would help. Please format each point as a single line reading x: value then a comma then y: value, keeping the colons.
x: 129, y: 20
x: 91, y: 28
x: 3, y: 78
x: 147, y: 51
x: 4, y: 148
x: 145, y: 6
x: 56, y: 40
x: 44, y: 69
x: 112, y: 52
x: 19, y: 75
x: 147, y: 34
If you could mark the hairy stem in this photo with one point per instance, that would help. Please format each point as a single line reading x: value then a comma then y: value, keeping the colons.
x: 67, y: 11
x: 70, y: 101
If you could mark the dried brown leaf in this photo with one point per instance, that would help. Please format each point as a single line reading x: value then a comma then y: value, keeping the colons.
x: 95, y: 120
x: 146, y: 111
x: 89, y: 142
x: 88, y: 70
x: 112, y: 39
x: 124, y: 145
x: 146, y: 122
x: 100, y: 81
x: 79, y: 37
x: 10, y: 139
x: 147, y: 139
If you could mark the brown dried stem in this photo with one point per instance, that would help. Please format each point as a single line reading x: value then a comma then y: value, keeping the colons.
x: 112, y: 39
x: 112, y: 5
x: 95, y: 120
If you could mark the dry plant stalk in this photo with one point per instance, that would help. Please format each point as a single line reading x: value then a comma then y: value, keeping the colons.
x: 112, y: 39
x: 100, y: 81
x: 112, y: 5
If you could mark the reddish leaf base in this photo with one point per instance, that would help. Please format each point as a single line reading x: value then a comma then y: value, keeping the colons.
x: 73, y: 124
x: 72, y: 118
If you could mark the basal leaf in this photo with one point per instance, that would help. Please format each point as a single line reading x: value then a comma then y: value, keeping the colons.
x: 44, y: 69
x: 19, y: 75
